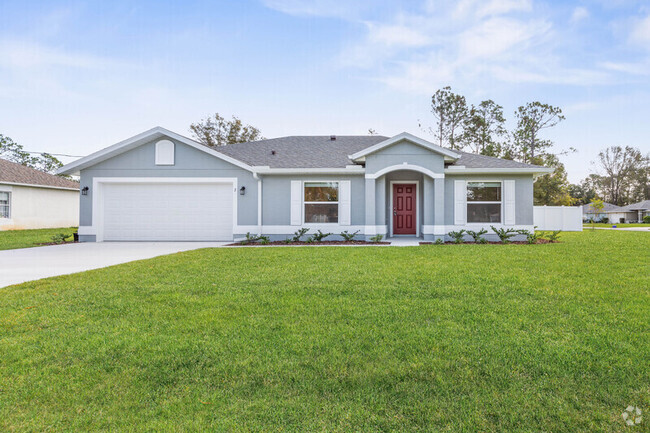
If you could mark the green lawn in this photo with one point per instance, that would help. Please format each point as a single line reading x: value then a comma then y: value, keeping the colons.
x: 457, y: 338
x: 12, y: 239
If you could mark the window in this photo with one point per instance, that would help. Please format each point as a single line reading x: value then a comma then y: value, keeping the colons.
x: 321, y: 202
x: 5, y: 204
x: 483, y: 202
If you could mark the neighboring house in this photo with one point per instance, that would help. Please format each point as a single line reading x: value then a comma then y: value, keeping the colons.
x: 160, y: 185
x: 31, y: 199
x: 631, y: 213
x: 589, y: 213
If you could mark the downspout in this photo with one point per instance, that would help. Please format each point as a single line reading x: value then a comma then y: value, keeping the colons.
x: 259, y: 203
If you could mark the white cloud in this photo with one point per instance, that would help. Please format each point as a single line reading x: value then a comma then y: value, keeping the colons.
x: 396, y: 35
x: 579, y: 14
x: 320, y: 8
x: 27, y: 55
x: 641, y: 31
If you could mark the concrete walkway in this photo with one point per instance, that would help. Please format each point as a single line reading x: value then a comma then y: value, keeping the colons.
x: 621, y: 229
x: 406, y: 241
x: 27, y: 264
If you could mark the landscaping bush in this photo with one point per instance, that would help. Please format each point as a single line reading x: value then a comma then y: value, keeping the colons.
x: 299, y: 234
x: 59, y: 238
x: 349, y: 236
x: 646, y: 219
x: 319, y: 236
x: 531, y: 237
x: 250, y: 239
x: 504, y: 235
x: 376, y: 239
x: 264, y: 240
x: 458, y: 236
x: 478, y: 236
x: 439, y: 242
x: 553, y: 236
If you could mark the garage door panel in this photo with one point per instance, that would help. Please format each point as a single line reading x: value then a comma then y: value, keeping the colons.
x: 175, y: 212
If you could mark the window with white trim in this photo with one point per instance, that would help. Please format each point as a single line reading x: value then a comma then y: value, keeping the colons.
x: 484, y: 202
x: 321, y: 202
x: 5, y: 204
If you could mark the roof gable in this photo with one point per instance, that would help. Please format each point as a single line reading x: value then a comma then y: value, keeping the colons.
x: 405, y: 136
x: 17, y: 174
x: 138, y: 140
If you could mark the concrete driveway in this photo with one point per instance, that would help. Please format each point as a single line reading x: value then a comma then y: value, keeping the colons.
x: 18, y: 266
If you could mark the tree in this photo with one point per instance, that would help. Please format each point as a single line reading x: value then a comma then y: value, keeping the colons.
x: 450, y: 111
x: 12, y: 151
x: 217, y: 131
x: 597, y: 206
x: 552, y: 189
x: 532, y: 118
x: 625, y: 170
x: 483, y: 125
x: 587, y: 190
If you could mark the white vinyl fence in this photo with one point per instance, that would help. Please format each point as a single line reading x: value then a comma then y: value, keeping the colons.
x: 565, y: 218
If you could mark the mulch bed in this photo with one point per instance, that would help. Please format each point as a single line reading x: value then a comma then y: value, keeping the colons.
x: 55, y: 243
x: 283, y: 243
x: 539, y: 241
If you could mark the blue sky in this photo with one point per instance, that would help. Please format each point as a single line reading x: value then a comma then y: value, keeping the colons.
x: 78, y: 76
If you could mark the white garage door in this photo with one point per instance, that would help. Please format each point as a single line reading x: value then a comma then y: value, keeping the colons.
x: 167, y: 212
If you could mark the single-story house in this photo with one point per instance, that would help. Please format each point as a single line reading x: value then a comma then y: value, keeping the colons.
x: 589, y: 213
x: 160, y: 185
x: 632, y: 213
x: 32, y: 199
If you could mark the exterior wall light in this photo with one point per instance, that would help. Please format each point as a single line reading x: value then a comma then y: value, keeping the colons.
x: 84, y: 190
x: 242, y: 190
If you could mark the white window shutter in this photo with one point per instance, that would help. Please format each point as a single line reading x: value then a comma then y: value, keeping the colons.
x: 296, y: 202
x: 460, y: 202
x: 345, y: 200
x: 509, y: 202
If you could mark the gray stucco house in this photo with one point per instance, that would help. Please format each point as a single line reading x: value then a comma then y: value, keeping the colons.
x: 160, y: 185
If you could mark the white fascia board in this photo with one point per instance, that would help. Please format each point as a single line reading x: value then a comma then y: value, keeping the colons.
x: 39, y: 186
x: 135, y: 141
x: 520, y: 170
x: 408, y: 137
x: 268, y: 170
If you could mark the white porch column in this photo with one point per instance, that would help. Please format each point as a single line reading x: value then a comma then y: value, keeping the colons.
x: 370, y: 208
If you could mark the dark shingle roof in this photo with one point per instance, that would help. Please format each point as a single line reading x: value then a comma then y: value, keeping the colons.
x: 607, y: 207
x: 322, y: 152
x: 642, y: 205
x: 301, y: 151
x: 12, y: 172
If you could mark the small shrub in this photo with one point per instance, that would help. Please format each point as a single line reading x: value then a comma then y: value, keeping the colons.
x: 264, y: 240
x: 478, y: 236
x: 348, y: 237
x: 376, y: 238
x: 554, y: 236
x: 299, y: 234
x: 531, y: 237
x: 288, y: 240
x: 646, y: 219
x: 59, y: 238
x: 458, y: 236
x: 310, y: 240
x: 319, y: 236
x: 249, y: 239
x: 439, y: 242
x: 504, y: 235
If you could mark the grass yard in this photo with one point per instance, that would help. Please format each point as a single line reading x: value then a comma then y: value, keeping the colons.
x: 13, y: 239
x: 619, y: 225
x: 457, y: 338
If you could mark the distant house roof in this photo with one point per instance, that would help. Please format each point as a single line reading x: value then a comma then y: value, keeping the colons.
x: 16, y: 174
x: 608, y: 207
x: 321, y: 151
x: 642, y: 205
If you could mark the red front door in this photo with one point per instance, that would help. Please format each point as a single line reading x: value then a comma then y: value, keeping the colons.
x: 404, y: 209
